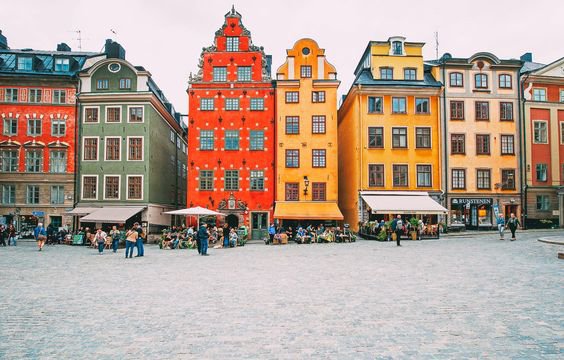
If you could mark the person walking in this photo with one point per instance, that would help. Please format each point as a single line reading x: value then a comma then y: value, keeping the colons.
x: 500, y: 226
x: 399, y: 229
x: 115, y: 234
x: 203, y: 236
x: 130, y: 241
x: 226, y: 235
x: 12, y: 235
x: 271, y: 232
x: 512, y: 224
x: 3, y: 235
x: 40, y: 235
x: 100, y: 240
x: 140, y: 238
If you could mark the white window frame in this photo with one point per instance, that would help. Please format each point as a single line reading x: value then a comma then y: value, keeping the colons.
x: 82, y: 186
x: 533, y: 131
x: 106, y: 114
x: 97, y: 147
x: 119, y: 186
x: 417, y: 175
x: 63, y: 62
x: 539, y: 88
x: 430, y: 138
x: 51, y: 194
x: 127, y: 186
x: 142, y: 147
x: 106, y: 147
x: 58, y: 122
x: 84, y: 114
x: 142, y: 114
x: 408, y: 171
x: 562, y: 133
x: 561, y: 92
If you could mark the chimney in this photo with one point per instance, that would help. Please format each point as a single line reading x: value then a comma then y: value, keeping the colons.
x: 63, y: 47
x: 527, y: 57
x: 114, y: 50
x: 268, y: 64
x: 3, y: 41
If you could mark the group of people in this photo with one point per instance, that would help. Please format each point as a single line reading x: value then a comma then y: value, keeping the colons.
x: 8, y: 232
x: 180, y: 237
x: 309, y: 234
x: 133, y: 237
x: 512, y: 223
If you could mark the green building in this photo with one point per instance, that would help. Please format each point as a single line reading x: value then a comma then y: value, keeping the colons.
x: 131, y: 151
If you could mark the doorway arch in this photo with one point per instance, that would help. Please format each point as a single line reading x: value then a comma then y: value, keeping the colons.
x: 232, y: 220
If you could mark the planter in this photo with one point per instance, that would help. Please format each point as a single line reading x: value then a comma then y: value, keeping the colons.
x: 413, y: 235
x: 394, y: 236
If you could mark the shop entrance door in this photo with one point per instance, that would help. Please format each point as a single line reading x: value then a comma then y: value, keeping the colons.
x: 259, y: 225
x: 474, y: 216
x: 510, y: 209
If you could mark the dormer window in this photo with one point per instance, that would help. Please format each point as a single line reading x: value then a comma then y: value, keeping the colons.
x: 232, y: 43
x: 397, y: 48
x: 25, y: 63
x: 386, y: 73
x: 62, y: 64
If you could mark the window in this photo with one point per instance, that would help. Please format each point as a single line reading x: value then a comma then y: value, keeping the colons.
x: 113, y: 148
x: 375, y: 137
x: 410, y: 74
x: 508, y: 179
x: 59, y: 96
x: 543, y: 202
x: 292, y: 125
x: 34, y: 161
x: 135, y: 188
x: 540, y: 132
x: 318, y: 124
x: 231, y: 139
x: 91, y: 115
x: 457, y: 144
x: 319, y: 191
x: 506, y: 111
x: 25, y: 63
x: 483, y: 179
x: 292, y: 97
x: 8, y: 194
x: 319, y: 158
x: 232, y: 180
x: 34, y: 127
x: 231, y: 104
x: 505, y: 81
x: 125, y: 83
x: 257, y: 180
x: 318, y: 96
x: 458, y: 179
x: 220, y: 73
x: 562, y: 134
x: 482, y: 110
x: 9, y: 160
x: 206, y: 104
x: 399, y: 137
x: 305, y: 71
x: 35, y: 95
x: 562, y: 96
x: 481, y: 81
x: 102, y: 84
x: 292, y: 158
x: 135, y: 149
x: 32, y: 194
x: 542, y: 172
x: 292, y: 192
x: 89, y: 185
x: 58, y: 127
x: 206, y: 180
x: 136, y: 114
x: 507, y: 145
x: 482, y: 144
x: 90, y: 149
x: 456, y: 79
x: 421, y: 105
x: 57, y: 194
x: 400, y: 175
x: 244, y: 73
x: 232, y: 43
x: 424, y: 176
x: 206, y: 139
x: 257, y: 104
x: 62, y: 64
x: 386, y: 73
x: 11, y: 95
x: 375, y: 104
x: 398, y: 105
x: 172, y: 136
x: 10, y: 127
x: 257, y: 140
x: 111, y: 187
x: 375, y: 175
x: 539, y: 94
x: 423, y: 137
x: 397, y: 48
x: 457, y: 110
x: 58, y: 161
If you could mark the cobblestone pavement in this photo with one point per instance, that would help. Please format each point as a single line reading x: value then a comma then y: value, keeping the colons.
x: 452, y: 298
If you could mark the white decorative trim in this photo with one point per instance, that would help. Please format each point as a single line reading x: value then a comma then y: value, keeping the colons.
x: 82, y: 187
x: 120, y: 114
x: 142, y: 147
x: 84, y: 114
x: 127, y: 186
x: 97, y: 147
x: 142, y: 106
x: 106, y: 147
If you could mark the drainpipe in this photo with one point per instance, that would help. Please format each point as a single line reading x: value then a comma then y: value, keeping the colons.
x: 445, y: 139
x: 77, y: 128
x: 360, y: 150
x: 523, y: 154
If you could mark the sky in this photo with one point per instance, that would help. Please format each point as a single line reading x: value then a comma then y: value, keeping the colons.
x: 167, y: 36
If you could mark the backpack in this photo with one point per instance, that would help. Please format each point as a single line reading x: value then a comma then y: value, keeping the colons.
x: 399, y: 224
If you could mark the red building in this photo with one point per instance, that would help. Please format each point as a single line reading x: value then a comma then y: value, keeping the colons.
x: 231, y: 130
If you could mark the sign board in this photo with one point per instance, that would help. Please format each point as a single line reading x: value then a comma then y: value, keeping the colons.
x: 556, y: 212
x: 38, y: 213
x: 78, y: 239
x: 472, y: 201
x: 496, y: 211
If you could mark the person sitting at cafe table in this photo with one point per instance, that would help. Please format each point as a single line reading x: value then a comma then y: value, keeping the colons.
x: 290, y: 233
x: 300, y: 235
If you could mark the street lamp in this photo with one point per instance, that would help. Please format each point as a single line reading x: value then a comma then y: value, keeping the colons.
x: 306, y: 183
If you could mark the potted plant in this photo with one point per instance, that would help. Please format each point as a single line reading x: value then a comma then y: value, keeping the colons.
x: 414, y: 224
x: 383, y: 234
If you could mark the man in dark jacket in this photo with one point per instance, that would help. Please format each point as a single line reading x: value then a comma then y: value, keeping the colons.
x: 398, y: 228
x: 203, y: 240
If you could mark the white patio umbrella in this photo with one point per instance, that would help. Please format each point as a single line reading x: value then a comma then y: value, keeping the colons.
x: 195, y: 211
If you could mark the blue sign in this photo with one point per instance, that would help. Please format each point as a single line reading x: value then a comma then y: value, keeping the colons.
x: 496, y: 210
x: 38, y: 213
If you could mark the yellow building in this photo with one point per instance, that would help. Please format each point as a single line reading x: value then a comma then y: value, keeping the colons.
x: 389, y: 136
x: 306, y: 128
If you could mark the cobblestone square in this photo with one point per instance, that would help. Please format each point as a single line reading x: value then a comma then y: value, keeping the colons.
x: 453, y: 298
